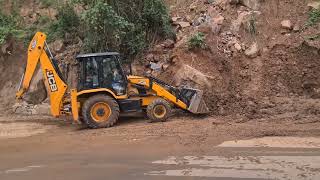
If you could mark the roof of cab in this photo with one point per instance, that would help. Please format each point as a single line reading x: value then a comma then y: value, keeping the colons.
x: 97, y: 54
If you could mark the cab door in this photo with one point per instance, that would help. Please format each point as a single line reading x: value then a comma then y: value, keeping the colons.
x: 112, y: 75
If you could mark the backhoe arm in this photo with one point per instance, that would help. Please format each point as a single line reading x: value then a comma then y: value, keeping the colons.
x: 34, y: 52
x: 56, y: 87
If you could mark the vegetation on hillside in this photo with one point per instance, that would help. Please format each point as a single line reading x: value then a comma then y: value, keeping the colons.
x: 103, y: 25
x: 9, y: 25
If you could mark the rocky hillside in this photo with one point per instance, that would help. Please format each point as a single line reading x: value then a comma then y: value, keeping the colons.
x: 252, y: 58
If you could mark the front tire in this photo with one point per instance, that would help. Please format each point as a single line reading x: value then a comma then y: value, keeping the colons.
x: 159, y: 110
x: 100, y: 111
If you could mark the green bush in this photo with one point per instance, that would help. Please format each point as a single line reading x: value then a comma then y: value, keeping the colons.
x: 47, y: 3
x: 197, y: 41
x: 68, y: 22
x: 314, y: 17
x: 104, y: 29
x: 156, y: 18
x: 104, y: 25
x: 125, y: 26
x: 9, y: 25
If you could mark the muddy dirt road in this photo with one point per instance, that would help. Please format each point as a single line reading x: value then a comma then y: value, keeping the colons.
x: 183, y: 148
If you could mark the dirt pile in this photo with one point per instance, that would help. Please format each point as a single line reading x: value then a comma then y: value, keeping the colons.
x: 255, y: 51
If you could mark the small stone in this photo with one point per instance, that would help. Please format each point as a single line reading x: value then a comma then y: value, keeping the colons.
x: 188, y: 18
x: 296, y: 28
x: 192, y: 7
x: 237, y: 46
x: 253, y: 51
x: 155, y: 66
x: 169, y: 43
x: 314, y: 5
x: 184, y: 24
x: 252, y: 4
x: 286, y: 24
x: 165, y: 67
x: 150, y: 57
x: 234, y: 1
x: 198, y: 21
x: 175, y: 19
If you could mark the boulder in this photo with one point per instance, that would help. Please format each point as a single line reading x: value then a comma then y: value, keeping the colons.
x: 57, y: 46
x: 253, y: 51
x: 236, y: 23
x: 286, y: 24
x: 216, y: 24
x: 252, y: 4
x: 187, y: 75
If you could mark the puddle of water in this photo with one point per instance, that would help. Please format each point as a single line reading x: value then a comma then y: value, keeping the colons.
x: 279, y: 142
x: 265, y: 167
x: 17, y: 130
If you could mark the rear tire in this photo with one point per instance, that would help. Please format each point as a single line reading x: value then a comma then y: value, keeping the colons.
x: 100, y: 111
x: 159, y: 110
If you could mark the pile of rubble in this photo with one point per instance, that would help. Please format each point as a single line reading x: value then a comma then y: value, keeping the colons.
x: 24, y: 108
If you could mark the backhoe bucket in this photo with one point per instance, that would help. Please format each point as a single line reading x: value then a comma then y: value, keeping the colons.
x: 194, y: 99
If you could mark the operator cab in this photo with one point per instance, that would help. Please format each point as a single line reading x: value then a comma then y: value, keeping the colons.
x: 102, y: 70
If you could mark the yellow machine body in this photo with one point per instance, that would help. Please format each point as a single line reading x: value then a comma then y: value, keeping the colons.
x: 38, y: 51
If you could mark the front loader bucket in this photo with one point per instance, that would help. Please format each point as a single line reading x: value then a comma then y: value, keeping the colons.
x: 194, y: 99
x: 197, y: 104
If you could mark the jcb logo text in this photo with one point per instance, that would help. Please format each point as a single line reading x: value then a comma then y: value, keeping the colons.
x: 52, y: 82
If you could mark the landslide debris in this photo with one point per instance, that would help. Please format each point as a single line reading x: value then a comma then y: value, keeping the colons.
x: 261, y: 58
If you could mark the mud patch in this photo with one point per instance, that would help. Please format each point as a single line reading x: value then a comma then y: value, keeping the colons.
x: 21, y: 129
x: 278, y: 142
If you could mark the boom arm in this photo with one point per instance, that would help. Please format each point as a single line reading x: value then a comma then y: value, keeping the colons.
x: 56, y: 87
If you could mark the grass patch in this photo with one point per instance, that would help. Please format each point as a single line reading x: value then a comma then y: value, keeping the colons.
x: 197, y: 41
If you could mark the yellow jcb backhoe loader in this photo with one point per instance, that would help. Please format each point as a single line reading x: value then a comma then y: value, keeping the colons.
x: 104, y: 91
